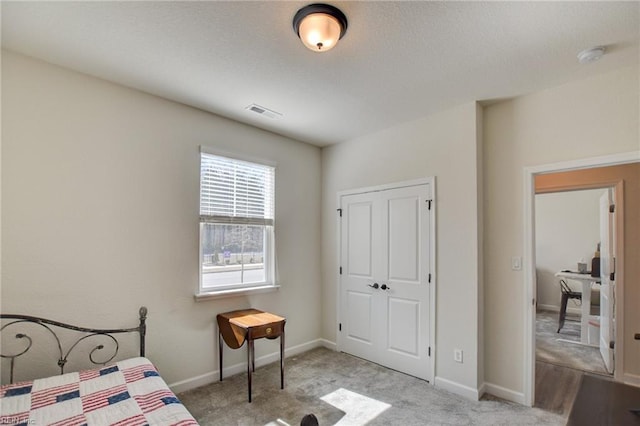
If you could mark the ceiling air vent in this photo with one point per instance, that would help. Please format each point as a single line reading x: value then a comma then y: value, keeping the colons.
x: 265, y: 112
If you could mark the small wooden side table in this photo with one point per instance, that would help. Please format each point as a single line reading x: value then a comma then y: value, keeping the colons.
x: 250, y: 324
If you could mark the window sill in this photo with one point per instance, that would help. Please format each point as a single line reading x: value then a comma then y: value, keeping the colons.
x: 219, y: 294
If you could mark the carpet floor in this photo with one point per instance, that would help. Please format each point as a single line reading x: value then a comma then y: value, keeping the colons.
x: 347, y: 391
x: 566, y: 354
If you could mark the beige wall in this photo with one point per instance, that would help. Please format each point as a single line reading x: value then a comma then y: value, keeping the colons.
x: 567, y: 230
x: 581, y: 119
x: 100, y: 213
x: 87, y: 161
x: 443, y: 145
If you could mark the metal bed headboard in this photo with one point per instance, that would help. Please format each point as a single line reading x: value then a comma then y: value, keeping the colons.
x: 88, y: 332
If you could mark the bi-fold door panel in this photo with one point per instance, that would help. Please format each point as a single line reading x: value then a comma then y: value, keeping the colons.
x: 359, y: 239
x: 359, y: 223
x: 404, y: 238
x: 359, y: 316
x: 403, y: 326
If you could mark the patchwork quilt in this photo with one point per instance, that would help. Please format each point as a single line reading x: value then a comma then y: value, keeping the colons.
x: 130, y: 392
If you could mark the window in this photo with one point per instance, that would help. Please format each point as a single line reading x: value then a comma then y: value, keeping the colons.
x: 236, y: 224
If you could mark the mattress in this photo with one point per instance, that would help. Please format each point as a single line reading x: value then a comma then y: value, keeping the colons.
x: 130, y: 392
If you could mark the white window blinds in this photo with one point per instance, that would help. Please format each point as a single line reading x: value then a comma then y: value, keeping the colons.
x: 235, y: 191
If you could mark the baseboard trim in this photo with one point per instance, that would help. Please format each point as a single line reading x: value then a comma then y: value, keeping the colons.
x: 631, y: 379
x: 457, y: 388
x: 482, y: 390
x: 504, y: 393
x: 554, y: 308
x: 328, y: 344
x: 212, y: 376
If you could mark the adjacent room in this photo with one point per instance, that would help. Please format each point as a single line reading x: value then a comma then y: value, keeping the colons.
x: 568, y: 242
x: 282, y: 213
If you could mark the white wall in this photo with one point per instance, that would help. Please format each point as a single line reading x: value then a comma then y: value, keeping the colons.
x: 567, y: 230
x: 100, y: 214
x: 442, y: 145
x: 586, y: 118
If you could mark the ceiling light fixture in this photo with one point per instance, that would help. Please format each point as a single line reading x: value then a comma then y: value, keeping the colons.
x: 320, y: 26
x: 591, y: 55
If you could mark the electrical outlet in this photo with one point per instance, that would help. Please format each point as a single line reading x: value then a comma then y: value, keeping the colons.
x: 457, y: 355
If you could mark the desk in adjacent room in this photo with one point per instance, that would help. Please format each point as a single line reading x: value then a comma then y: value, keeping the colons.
x: 585, y: 280
x: 250, y: 324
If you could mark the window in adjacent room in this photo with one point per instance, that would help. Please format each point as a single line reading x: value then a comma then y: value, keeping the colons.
x: 236, y: 224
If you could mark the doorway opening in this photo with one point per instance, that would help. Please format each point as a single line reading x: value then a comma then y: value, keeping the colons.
x: 575, y: 309
x: 617, y: 171
x: 569, y: 251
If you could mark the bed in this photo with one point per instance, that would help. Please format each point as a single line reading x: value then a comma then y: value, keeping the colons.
x: 126, y: 392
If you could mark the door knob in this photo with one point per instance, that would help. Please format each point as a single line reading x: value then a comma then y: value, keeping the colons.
x: 375, y: 285
x: 385, y: 287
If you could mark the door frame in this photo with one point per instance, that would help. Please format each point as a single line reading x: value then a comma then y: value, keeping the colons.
x: 529, y: 262
x: 431, y: 181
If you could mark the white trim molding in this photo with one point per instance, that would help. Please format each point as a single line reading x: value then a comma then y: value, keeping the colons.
x: 529, y: 255
x: 631, y: 379
x: 328, y: 344
x: 504, y: 393
x: 457, y: 388
x: 213, y: 376
x: 554, y: 308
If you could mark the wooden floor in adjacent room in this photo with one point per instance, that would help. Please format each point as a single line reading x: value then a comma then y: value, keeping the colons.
x: 556, y: 387
x: 561, y: 362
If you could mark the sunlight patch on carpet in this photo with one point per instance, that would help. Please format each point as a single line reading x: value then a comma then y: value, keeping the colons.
x: 359, y: 409
x: 278, y: 422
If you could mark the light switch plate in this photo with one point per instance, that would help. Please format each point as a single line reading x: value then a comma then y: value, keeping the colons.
x: 516, y: 263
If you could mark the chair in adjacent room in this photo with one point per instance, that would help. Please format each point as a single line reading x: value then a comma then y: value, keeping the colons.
x: 567, y: 294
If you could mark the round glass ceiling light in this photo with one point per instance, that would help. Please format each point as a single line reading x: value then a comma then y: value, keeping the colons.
x: 320, y: 26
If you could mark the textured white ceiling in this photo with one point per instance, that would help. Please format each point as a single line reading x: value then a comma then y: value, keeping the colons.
x: 397, y: 62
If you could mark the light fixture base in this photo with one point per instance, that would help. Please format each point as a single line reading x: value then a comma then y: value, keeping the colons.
x: 319, y: 26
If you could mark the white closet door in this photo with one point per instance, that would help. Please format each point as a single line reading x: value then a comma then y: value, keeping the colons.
x: 359, y: 305
x: 384, y: 285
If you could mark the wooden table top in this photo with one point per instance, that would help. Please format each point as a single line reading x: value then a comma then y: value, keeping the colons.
x: 235, y: 324
x: 247, y: 318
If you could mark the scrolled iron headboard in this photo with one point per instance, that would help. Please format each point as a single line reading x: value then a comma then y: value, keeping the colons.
x: 89, y: 332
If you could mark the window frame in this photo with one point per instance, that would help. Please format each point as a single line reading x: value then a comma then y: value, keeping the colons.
x: 270, y: 282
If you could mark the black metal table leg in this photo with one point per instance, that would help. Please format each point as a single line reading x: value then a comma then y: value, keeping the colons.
x: 253, y: 357
x: 220, y: 352
x: 249, y: 357
x: 282, y: 360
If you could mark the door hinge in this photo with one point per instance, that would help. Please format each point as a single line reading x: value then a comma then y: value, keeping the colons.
x: 429, y: 351
x: 339, y: 212
x: 533, y: 302
x: 612, y: 276
x: 429, y: 277
x: 612, y: 208
x: 428, y: 204
x: 340, y: 327
x: 341, y: 270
